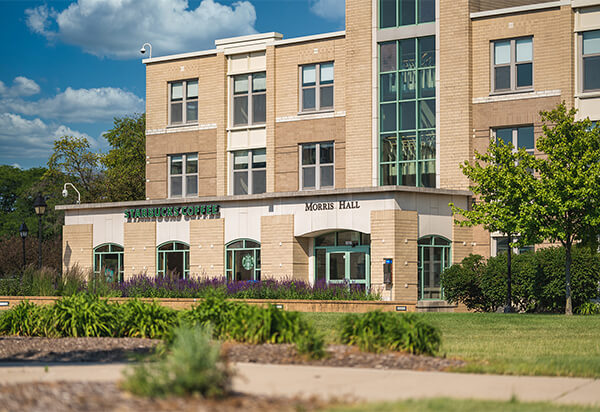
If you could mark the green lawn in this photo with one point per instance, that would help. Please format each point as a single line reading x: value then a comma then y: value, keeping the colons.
x: 510, y: 344
x: 454, y: 405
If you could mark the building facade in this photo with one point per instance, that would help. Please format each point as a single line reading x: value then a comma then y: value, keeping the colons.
x: 334, y: 157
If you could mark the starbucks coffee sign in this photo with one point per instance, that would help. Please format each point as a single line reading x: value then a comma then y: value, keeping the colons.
x: 172, y: 211
x: 248, y: 262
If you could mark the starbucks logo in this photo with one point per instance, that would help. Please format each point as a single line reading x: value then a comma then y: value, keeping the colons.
x: 248, y: 262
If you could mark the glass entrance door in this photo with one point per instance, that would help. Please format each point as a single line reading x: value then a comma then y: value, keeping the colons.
x: 347, y: 265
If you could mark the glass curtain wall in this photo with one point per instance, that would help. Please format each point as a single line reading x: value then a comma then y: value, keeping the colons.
x: 407, y: 112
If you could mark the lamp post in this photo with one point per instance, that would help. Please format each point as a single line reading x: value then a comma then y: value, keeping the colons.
x: 23, y: 231
x: 39, y: 204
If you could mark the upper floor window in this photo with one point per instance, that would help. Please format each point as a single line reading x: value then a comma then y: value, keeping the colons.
x: 316, y: 161
x: 393, y: 13
x: 183, y: 175
x: 183, y: 102
x: 316, y: 87
x: 591, y: 60
x: 512, y: 64
x: 249, y: 171
x: 519, y: 137
x: 249, y: 99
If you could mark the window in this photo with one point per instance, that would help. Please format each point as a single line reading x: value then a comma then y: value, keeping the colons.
x: 173, y: 260
x: 183, y: 102
x: 242, y: 260
x: 316, y: 87
x: 183, y: 175
x: 519, y: 137
x: 407, y: 112
x: 316, y: 162
x: 108, y: 262
x: 249, y: 171
x: 591, y: 60
x: 249, y: 99
x: 434, y: 257
x: 512, y: 64
x: 502, y: 246
x: 394, y: 13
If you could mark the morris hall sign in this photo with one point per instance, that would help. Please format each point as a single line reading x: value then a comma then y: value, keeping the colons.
x: 195, y: 210
x: 341, y: 205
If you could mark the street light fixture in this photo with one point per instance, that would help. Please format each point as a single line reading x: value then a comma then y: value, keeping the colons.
x: 39, y: 204
x: 23, y: 231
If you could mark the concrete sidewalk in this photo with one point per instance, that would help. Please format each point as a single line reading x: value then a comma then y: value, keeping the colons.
x: 352, y: 384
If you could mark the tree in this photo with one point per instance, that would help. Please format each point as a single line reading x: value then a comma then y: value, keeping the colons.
x: 503, y: 184
x: 126, y: 162
x: 567, y: 196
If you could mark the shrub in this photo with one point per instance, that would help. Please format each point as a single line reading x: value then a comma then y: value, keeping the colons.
x: 538, y: 283
x: 381, y: 331
x: 146, y: 320
x: 588, y: 308
x: 85, y: 315
x: 25, y: 319
x: 191, y: 365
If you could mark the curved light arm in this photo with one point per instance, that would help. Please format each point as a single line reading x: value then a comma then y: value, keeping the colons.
x: 149, y: 49
x: 74, y: 188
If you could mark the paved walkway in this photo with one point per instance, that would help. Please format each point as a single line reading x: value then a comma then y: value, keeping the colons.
x: 348, y: 383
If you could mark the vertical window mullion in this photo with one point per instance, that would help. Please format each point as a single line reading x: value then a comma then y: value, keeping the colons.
x: 513, y: 64
x: 318, y: 86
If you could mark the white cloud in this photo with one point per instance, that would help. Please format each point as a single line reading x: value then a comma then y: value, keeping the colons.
x: 117, y: 28
x: 22, y: 86
x: 22, y: 138
x: 329, y: 9
x: 78, y: 105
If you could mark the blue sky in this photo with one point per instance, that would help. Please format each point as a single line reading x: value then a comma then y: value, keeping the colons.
x: 70, y: 67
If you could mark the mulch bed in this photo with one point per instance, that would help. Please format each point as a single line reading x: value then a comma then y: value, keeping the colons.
x: 103, y: 350
x: 84, y: 396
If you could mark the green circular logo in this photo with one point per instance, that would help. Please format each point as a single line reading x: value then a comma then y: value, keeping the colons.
x: 248, y: 262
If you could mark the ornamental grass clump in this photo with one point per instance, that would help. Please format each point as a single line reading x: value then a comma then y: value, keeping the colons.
x: 146, y: 320
x: 190, y: 365
x: 85, y: 315
x: 25, y: 319
x: 386, y: 331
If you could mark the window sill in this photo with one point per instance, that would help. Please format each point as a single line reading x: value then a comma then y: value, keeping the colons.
x: 588, y: 95
x: 249, y: 127
x: 182, y: 125
x: 505, y: 92
x: 316, y: 112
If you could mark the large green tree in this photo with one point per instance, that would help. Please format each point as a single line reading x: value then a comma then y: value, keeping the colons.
x: 566, y: 204
x: 503, y: 184
x: 125, y: 163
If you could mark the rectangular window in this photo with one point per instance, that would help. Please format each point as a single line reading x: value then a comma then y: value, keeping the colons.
x: 590, y: 62
x: 512, y: 64
x: 249, y: 171
x: 316, y: 87
x: 407, y: 112
x: 183, y: 102
x: 395, y: 13
x: 249, y: 99
x: 316, y: 164
x: 183, y: 175
x: 519, y: 137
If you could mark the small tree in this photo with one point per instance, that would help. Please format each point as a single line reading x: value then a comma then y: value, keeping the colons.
x: 567, y: 197
x: 503, y: 184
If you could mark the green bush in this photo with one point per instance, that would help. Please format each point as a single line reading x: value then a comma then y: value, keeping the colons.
x: 588, y: 308
x: 383, y: 331
x: 191, y: 365
x: 538, y: 280
x: 146, y: 320
x: 85, y: 315
x: 25, y: 319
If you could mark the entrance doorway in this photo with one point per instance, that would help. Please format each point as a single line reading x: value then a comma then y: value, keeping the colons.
x: 434, y: 257
x: 343, y: 257
x: 173, y: 260
x: 242, y: 260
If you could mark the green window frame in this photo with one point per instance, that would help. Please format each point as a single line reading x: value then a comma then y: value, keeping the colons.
x: 397, y: 13
x: 107, y: 251
x: 434, y: 256
x: 407, y: 112
x: 248, y: 253
x: 169, y: 249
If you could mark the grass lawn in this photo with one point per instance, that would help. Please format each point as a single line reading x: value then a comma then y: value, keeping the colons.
x: 510, y: 344
x: 454, y: 405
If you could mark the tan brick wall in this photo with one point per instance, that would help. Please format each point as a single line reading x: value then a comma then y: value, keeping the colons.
x: 140, y: 248
x: 394, y: 234
x: 454, y: 93
x: 358, y: 94
x: 270, y: 119
x: 553, y: 53
x: 462, y: 242
x: 288, y: 137
x: 282, y: 255
x: 78, y: 247
x: 207, y: 247
x: 220, y: 98
x: 158, y: 147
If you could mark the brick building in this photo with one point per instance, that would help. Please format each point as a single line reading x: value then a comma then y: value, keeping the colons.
x: 334, y: 157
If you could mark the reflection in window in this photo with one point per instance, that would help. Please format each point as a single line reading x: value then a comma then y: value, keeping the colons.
x: 108, y: 262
